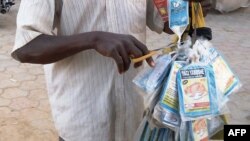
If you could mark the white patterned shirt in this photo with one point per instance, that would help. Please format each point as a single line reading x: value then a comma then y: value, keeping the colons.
x: 90, y: 100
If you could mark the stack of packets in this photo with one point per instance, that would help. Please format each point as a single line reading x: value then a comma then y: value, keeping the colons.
x: 187, y: 91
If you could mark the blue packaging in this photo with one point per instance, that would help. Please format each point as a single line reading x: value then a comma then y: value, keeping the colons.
x: 197, y: 92
x: 215, y: 125
x: 167, y: 111
x: 150, y: 79
x: 161, y: 134
x: 199, y: 130
x: 178, y: 13
x: 185, y: 132
x: 226, y: 80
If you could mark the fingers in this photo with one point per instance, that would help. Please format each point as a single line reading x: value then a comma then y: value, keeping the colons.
x: 136, y: 65
x: 144, y: 51
x: 133, y: 50
x: 119, y: 61
x: 129, y: 47
x: 125, y: 58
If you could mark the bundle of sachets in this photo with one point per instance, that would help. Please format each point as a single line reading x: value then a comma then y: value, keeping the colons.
x: 186, y: 93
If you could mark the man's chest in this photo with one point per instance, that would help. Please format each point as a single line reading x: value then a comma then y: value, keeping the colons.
x: 108, y: 15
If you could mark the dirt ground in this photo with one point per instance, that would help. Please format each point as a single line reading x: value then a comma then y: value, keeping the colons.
x: 24, y: 106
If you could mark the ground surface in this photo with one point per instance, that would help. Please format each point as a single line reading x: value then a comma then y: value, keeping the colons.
x: 24, y: 107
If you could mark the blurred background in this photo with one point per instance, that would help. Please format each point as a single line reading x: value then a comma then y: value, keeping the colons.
x: 24, y: 106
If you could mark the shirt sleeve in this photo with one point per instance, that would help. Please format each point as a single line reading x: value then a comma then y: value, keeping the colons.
x: 154, y: 21
x: 35, y: 17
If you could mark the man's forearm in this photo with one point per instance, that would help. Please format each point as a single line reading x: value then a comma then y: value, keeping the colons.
x: 46, y: 49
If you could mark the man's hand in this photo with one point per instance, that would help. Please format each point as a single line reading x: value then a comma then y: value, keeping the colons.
x: 46, y: 49
x: 121, y: 48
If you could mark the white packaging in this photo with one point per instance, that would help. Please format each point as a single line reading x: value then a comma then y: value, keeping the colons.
x: 230, y: 5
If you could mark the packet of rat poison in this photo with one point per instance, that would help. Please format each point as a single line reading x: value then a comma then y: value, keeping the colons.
x: 197, y: 92
x: 199, y: 130
x: 167, y: 111
x: 150, y: 79
x: 226, y: 80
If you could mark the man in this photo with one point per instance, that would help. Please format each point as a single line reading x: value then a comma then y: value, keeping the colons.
x: 80, y: 43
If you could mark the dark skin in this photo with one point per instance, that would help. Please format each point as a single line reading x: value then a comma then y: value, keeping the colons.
x: 46, y: 49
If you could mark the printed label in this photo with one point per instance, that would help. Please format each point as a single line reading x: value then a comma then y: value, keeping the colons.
x: 225, y: 78
x: 195, y: 86
x: 171, y: 117
x: 170, y: 97
x: 151, y: 78
x: 200, y: 131
x: 193, y: 73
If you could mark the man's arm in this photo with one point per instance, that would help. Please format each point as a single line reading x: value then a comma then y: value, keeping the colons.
x: 47, y: 49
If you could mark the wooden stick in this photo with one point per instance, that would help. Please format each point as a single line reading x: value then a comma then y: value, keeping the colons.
x: 140, y: 59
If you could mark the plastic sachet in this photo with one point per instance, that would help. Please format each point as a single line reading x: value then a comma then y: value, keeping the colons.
x: 226, y: 79
x: 197, y: 92
x: 145, y: 136
x: 184, y: 51
x: 178, y: 16
x: 199, y: 130
x: 161, y: 134
x: 149, y: 80
x: 196, y: 130
x: 154, y: 134
x: 167, y: 135
x: 184, y: 132
x: 167, y: 110
x: 171, y: 136
x: 215, y: 125
x: 145, y: 133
